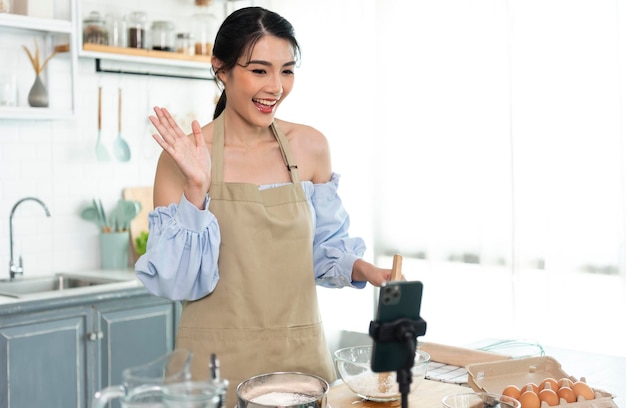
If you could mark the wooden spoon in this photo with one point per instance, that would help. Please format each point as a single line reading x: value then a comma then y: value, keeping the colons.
x: 384, y: 381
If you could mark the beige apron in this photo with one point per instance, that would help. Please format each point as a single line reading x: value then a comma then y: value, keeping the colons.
x: 263, y: 315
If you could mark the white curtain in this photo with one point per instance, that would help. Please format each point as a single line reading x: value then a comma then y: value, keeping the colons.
x: 484, y: 141
x: 506, y: 164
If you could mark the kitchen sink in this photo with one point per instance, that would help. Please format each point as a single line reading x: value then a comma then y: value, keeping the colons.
x: 21, y: 287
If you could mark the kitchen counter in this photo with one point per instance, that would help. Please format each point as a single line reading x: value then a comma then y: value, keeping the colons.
x: 428, y: 394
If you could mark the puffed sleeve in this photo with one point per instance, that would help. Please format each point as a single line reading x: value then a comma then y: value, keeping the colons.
x: 334, y: 251
x: 181, y: 256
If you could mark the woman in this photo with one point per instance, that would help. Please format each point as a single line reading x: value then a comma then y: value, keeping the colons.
x: 247, y: 218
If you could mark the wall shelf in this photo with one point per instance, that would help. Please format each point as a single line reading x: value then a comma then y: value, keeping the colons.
x: 120, y: 60
x: 26, y: 23
x: 28, y: 113
x: 133, y: 61
x: 49, y: 31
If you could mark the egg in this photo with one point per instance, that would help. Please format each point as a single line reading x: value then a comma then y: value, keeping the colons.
x: 554, y: 385
x: 582, y: 389
x: 534, y: 386
x: 566, y: 382
x: 512, y: 391
x: 548, y: 395
x: 529, y: 399
x: 567, y: 394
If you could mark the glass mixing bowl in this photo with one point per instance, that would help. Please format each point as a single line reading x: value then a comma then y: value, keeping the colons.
x: 353, y: 365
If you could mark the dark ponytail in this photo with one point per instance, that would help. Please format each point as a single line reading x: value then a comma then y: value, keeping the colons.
x: 220, y: 106
x: 238, y: 34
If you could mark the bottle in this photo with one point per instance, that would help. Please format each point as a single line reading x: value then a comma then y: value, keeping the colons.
x: 162, y: 36
x: 205, y: 26
x: 137, y: 30
x: 184, y: 44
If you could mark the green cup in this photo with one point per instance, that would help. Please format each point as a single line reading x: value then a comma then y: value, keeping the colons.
x: 114, y: 250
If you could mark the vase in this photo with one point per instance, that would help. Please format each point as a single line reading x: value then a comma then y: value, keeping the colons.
x: 38, y: 95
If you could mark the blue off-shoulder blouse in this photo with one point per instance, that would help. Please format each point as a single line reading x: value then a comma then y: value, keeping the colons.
x: 181, y: 256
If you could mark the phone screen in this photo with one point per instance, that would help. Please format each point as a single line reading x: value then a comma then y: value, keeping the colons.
x: 397, y: 300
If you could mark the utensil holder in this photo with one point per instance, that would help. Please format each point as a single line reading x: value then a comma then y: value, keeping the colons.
x: 114, y: 250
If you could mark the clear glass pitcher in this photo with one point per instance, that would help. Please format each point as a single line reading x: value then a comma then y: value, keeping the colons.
x: 142, y: 386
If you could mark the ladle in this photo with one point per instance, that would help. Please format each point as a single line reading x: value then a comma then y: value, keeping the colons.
x: 120, y: 148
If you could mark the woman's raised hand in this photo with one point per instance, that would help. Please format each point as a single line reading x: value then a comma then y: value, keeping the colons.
x: 191, y: 154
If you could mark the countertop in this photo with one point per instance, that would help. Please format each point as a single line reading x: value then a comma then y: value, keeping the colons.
x: 428, y: 394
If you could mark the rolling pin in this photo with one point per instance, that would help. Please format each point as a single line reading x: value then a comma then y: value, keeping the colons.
x: 384, y: 380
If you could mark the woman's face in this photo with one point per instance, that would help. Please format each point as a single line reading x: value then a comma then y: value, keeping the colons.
x: 256, y: 87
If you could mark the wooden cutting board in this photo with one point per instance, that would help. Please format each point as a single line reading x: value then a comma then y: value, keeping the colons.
x: 428, y: 394
x: 140, y: 222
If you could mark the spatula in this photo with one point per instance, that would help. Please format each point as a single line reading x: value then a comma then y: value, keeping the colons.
x: 384, y: 382
x: 101, y: 152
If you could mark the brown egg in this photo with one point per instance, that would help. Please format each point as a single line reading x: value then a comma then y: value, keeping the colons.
x: 582, y: 389
x: 512, y: 391
x: 529, y: 399
x: 567, y: 394
x: 566, y: 382
x: 554, y: 385
x: 548, y: 395
x: 534, y: 386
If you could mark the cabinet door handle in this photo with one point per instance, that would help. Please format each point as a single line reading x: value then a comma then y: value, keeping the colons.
x: 95, y: 336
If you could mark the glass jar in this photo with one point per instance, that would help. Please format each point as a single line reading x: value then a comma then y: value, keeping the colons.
x: 95, y: 29
x: 205, y: 26
x: 137, y: 30
x: 118, y: 30
x: 184, y: 44
x: 162, y: 36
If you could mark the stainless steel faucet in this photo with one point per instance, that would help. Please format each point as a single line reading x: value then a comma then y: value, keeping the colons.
x: 18, y: 269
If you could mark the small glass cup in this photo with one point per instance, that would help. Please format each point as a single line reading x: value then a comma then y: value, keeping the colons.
x: 8, y: 89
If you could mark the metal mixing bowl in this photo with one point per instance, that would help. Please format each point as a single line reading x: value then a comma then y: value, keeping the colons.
x: 283, y: 389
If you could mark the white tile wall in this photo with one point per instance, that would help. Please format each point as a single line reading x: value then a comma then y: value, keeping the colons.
x: 55, y: 161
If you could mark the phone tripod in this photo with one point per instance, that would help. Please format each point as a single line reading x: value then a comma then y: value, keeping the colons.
x: 403, y: 331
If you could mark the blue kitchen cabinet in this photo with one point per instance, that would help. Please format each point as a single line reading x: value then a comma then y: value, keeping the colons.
x: 58, y: 354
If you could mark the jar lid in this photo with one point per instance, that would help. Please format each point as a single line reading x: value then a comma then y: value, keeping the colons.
x: 138, y: 16
x: 94, y: 17
x: 167, y: 25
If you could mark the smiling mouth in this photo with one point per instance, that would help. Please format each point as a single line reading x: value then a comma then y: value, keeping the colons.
x: 265, y: 102
x: 265, y: 105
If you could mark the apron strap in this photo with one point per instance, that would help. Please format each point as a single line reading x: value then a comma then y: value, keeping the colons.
x: 217, y: 155
x: 286, y: 152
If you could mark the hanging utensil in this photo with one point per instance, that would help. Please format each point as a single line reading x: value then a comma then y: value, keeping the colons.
x: 101, y: 152
x: 120, y: 148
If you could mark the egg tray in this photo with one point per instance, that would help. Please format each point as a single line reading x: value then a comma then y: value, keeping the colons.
x: 493, y: 377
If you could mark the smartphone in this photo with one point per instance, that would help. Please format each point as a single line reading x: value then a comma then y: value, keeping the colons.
x: 396, y: 300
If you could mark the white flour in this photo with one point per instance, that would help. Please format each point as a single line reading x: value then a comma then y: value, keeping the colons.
x: 374, y: 385
x: 282, y: 399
